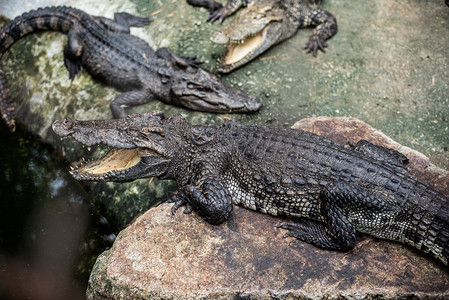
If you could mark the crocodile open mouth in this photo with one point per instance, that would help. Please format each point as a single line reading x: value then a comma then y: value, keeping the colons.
x: 239, y: 49
x: 242, y: 51
x: 115, y: 162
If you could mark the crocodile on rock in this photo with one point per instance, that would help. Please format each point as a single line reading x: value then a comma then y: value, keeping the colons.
x: 328, y: 191
x: 107, y: 50
x: 265, y: 23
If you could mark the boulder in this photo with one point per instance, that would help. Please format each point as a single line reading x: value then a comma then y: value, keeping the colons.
x: 161, y: 256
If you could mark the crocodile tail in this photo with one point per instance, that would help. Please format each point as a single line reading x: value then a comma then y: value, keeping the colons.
x: 43, y: 19
x: 428, y: 221
x: 441, y: 223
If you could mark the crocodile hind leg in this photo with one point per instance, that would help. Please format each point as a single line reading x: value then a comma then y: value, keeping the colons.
x: 166, y: 53
x: 218, y: 11
x: 320, y: 235
x: 72, y: 53
x: 340, y: 204
x: 123, y: 21
x: 335, y: 231
x: 131, y: 98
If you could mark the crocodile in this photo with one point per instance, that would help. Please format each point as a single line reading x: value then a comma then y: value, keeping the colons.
x: 328, y: 191
x: 265, y: 23
x: 106, y: 49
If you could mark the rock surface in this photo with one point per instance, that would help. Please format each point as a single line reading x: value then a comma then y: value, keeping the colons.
x: 161, y: 256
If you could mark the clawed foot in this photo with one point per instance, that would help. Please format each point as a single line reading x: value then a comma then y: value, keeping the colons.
x: 74, y: 67
x: 189, y: 61
x: 215, y: 9
x: 294, y: 229
x: 179, y: 202
x: 218, y: 14
x: 181, y: 61
x: 314, y: 44
x: 140, y: 22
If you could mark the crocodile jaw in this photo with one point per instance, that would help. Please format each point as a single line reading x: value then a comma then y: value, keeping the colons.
x: 240, y: 52
x: 138, y: 149
x: 237, y: 50
x: 117, y: 163
x: 116, y: 160
x: 122, y: 165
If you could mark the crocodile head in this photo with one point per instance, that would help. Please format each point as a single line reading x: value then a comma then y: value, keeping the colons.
x: 142, y: 145
x: 254, y: 30
x: 199, y: 90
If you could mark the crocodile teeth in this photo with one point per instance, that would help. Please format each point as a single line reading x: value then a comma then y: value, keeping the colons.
x: 238, y: 41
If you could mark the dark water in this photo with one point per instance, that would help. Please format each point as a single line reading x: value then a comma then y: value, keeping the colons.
x: 50, y: 234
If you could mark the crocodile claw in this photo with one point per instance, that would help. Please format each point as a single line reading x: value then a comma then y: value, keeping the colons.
x: 314, y: 44
x: 190, y: 61
x: 178, y: 203
x: 219, y: 14
x: 286, y: 225
x: 294, y: 229
x: 74, y: 67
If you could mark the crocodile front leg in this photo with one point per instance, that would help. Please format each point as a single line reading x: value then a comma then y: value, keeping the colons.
x: 167, y: 54
x: 327, y: 28
x: 127, y: 99
x: 207, y: 197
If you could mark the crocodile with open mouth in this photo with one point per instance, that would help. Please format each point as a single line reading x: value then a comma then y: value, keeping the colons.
x: 265, y: 23
x: 109, y: 53
x: 328, y: 191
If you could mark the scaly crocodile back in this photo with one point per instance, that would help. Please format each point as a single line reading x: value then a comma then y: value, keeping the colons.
x: 287, y: 172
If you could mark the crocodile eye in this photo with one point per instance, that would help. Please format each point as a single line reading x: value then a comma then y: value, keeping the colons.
x: 67, y: 122
x: 206, y: 88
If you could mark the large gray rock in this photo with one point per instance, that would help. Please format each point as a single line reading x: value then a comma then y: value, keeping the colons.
x: 161, y: 256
